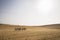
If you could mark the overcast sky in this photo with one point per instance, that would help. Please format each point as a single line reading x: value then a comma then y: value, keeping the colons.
x: 30, y: 12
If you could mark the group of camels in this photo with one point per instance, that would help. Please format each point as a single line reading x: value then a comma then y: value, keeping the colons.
x: 20, y: 28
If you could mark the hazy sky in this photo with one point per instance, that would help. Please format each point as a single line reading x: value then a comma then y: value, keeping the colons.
x: 30, y: 12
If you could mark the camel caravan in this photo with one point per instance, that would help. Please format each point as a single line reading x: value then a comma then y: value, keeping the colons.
x: 20, y: 29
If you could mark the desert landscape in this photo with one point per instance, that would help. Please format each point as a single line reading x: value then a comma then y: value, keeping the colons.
x: 29, y: 19
x: 16, y: 32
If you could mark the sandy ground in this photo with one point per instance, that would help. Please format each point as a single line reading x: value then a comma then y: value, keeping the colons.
x: 31, y: 33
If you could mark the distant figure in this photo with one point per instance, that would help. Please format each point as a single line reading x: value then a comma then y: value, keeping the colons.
x: 20, y: 29
x: 17, y: 28
x: 23, y: 28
